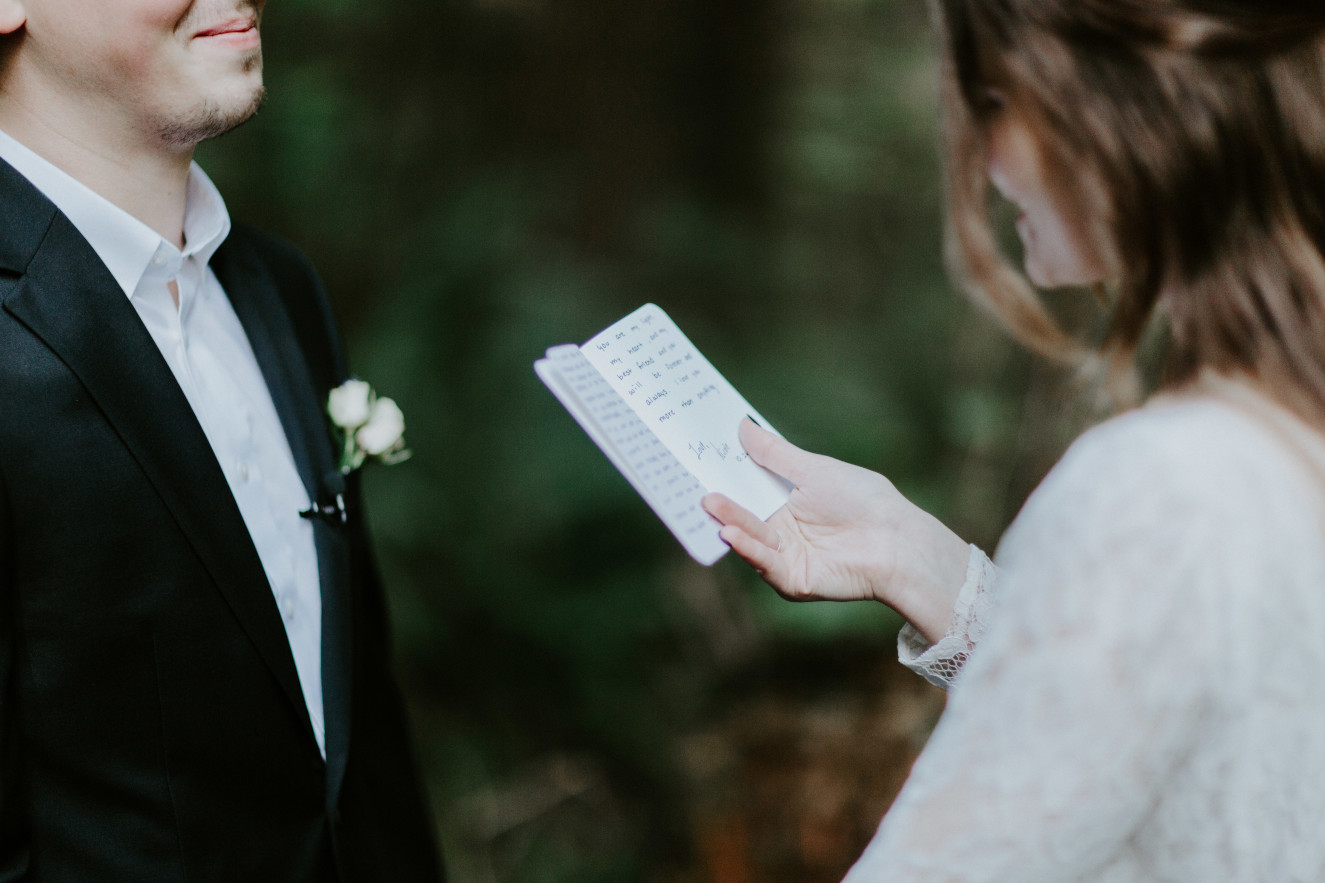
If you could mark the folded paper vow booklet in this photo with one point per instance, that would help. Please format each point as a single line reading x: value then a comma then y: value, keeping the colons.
x: 667, y: 420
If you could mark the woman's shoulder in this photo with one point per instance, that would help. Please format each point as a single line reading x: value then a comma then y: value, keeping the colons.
x: 1194, y: 442
x: 1181, y: 466
x: 1178, y: 513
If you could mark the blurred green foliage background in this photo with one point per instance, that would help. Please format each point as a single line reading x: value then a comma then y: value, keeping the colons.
x: 478, y: 180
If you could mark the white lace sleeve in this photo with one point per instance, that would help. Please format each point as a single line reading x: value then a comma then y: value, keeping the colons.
x: 939, y: 663
x: 1091, y: 683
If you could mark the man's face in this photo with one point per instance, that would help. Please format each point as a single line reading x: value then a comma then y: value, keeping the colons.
x: 177, y: 71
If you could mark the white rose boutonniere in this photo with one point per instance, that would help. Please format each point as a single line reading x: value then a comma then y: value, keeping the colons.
x: 368, y: 426
x: 350, y: 404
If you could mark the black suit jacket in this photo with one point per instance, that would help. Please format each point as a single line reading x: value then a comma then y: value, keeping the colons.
x: 152, y: 727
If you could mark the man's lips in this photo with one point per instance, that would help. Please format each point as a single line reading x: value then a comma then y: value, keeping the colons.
x: 238, y: 28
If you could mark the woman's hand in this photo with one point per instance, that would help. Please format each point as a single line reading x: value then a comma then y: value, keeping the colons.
x: 845, y: 535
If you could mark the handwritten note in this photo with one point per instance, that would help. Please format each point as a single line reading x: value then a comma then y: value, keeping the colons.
x: 667, y: 420
x: 657, y: 476
x: 687, y: 403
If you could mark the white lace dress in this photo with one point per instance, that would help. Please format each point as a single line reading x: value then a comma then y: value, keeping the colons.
x: 1147, y: 702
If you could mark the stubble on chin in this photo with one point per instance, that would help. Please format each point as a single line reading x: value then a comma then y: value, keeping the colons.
x: 209, y: 120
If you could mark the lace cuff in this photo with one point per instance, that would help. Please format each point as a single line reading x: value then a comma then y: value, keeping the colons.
x: 940, y: 663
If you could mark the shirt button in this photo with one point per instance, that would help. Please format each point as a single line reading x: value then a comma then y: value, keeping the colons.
x: 242, y: 471
x: 287, y: 608
x: 159, y: 261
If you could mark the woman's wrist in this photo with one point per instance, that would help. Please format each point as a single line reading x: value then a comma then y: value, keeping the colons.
x: 925, y: 586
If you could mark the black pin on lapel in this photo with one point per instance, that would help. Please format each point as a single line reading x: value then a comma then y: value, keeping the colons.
x: 330, y: 503
x: 333, y: 512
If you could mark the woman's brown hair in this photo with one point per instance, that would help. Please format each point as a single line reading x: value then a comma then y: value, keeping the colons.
x: 1193, y: 134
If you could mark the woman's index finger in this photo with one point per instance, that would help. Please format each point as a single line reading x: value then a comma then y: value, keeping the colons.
x: 774, y: 452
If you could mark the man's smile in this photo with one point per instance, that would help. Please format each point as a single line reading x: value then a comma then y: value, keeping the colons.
x: 239, y: 33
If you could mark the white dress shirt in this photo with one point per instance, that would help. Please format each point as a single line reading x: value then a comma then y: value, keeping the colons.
x: 205, y: 346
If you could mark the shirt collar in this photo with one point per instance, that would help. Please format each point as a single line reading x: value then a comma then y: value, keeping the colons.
x: 129, y: 248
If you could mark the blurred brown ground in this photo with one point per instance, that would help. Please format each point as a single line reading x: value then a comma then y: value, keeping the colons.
x: 791, y: 788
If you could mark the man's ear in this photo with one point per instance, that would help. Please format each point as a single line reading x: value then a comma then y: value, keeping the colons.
x: 12, y: 16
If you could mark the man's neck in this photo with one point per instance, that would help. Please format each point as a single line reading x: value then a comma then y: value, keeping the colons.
x: 149, y: 184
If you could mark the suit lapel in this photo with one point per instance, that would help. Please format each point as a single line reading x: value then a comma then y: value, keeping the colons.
x: 256, y: 298
x: 257, y: 303
x: 70, y: 301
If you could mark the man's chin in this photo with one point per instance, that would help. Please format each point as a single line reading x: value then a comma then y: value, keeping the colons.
x: 211, y: 119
